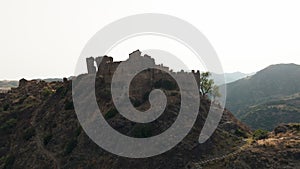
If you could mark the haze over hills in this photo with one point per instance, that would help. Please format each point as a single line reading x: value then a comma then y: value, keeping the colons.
x: 248, y: 97
x: 14, y: 83
x: 229, y: 77
x: 8, y: 84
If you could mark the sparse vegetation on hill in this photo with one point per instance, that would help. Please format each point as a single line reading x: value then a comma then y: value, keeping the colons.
x: 267, y: 98
x: 43, y: 128
x: 281, y: 150
x: 269, y: 115
x: 39, y: 129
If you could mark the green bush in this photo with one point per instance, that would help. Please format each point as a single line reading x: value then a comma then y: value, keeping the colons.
x: 9, y: 162
x: 260, y: 134
x: 78, y: 131
x: 69, y: 105
x: 135, y: 102
x: 146, y: 96
x: 62, y: 91
x: 111, y: 113
x: 70, y: 146
x: 5, y: 107
x: 240, y: 133
x: 105, y: 94
x: 47, y: 138
x: 46, y: 92
x: 142, y: 131
x: 30, y: 132
x: 8, y: 124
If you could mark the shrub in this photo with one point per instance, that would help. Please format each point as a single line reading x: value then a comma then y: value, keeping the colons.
x: 47, y: 138
x: 105, y: 94
x: 30, y: 132
x: 5, y: 107
x: 69, y: 105
x: 111, y: 113
x: 135, y: 102
x: 70, y: 146
x: 8, y: 125
x: 142, y: 131
x: 62, y: 91
x: 9, y: 162
x: 260, y: 134
x: 146, y: 96
x: 46, y: 92
x: 240, y: 133
x: 78, y: 131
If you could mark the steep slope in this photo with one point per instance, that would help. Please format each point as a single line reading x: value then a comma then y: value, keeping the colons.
x: 280, y: 150
x: 269, y: 84
x: 39, y: 129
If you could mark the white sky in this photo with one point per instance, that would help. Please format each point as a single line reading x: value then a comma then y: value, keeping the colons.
x: 44, y: 38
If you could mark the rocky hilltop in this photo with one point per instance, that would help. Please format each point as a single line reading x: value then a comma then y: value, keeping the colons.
x: 39, y: 128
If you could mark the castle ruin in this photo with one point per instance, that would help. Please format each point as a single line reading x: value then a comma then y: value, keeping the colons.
x: 106, y: 67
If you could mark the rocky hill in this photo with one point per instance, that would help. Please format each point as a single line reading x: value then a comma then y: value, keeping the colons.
x: 39, y: 129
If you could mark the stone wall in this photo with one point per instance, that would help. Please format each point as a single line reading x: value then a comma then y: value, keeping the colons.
x: 107, y: 67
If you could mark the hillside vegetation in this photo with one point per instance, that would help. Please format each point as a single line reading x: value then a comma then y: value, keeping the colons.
x: 39, y: 129
x: 260, y: 100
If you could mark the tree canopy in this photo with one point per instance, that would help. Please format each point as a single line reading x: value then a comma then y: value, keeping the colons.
x: 207, y: 86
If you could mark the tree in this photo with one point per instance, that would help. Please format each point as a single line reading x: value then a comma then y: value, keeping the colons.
x: 260, y: 134
x: 206, y: 84
x: 215, y: 92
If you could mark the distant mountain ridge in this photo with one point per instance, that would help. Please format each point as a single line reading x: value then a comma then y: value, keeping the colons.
x: 270, y: 84
x: 8, y: 84
x: 229, y: 77
x: 14, y: 83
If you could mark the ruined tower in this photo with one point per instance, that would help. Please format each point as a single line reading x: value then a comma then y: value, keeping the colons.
x: 90, y: 62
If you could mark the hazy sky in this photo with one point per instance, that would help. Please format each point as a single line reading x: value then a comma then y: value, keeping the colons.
x: 43, y: 38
